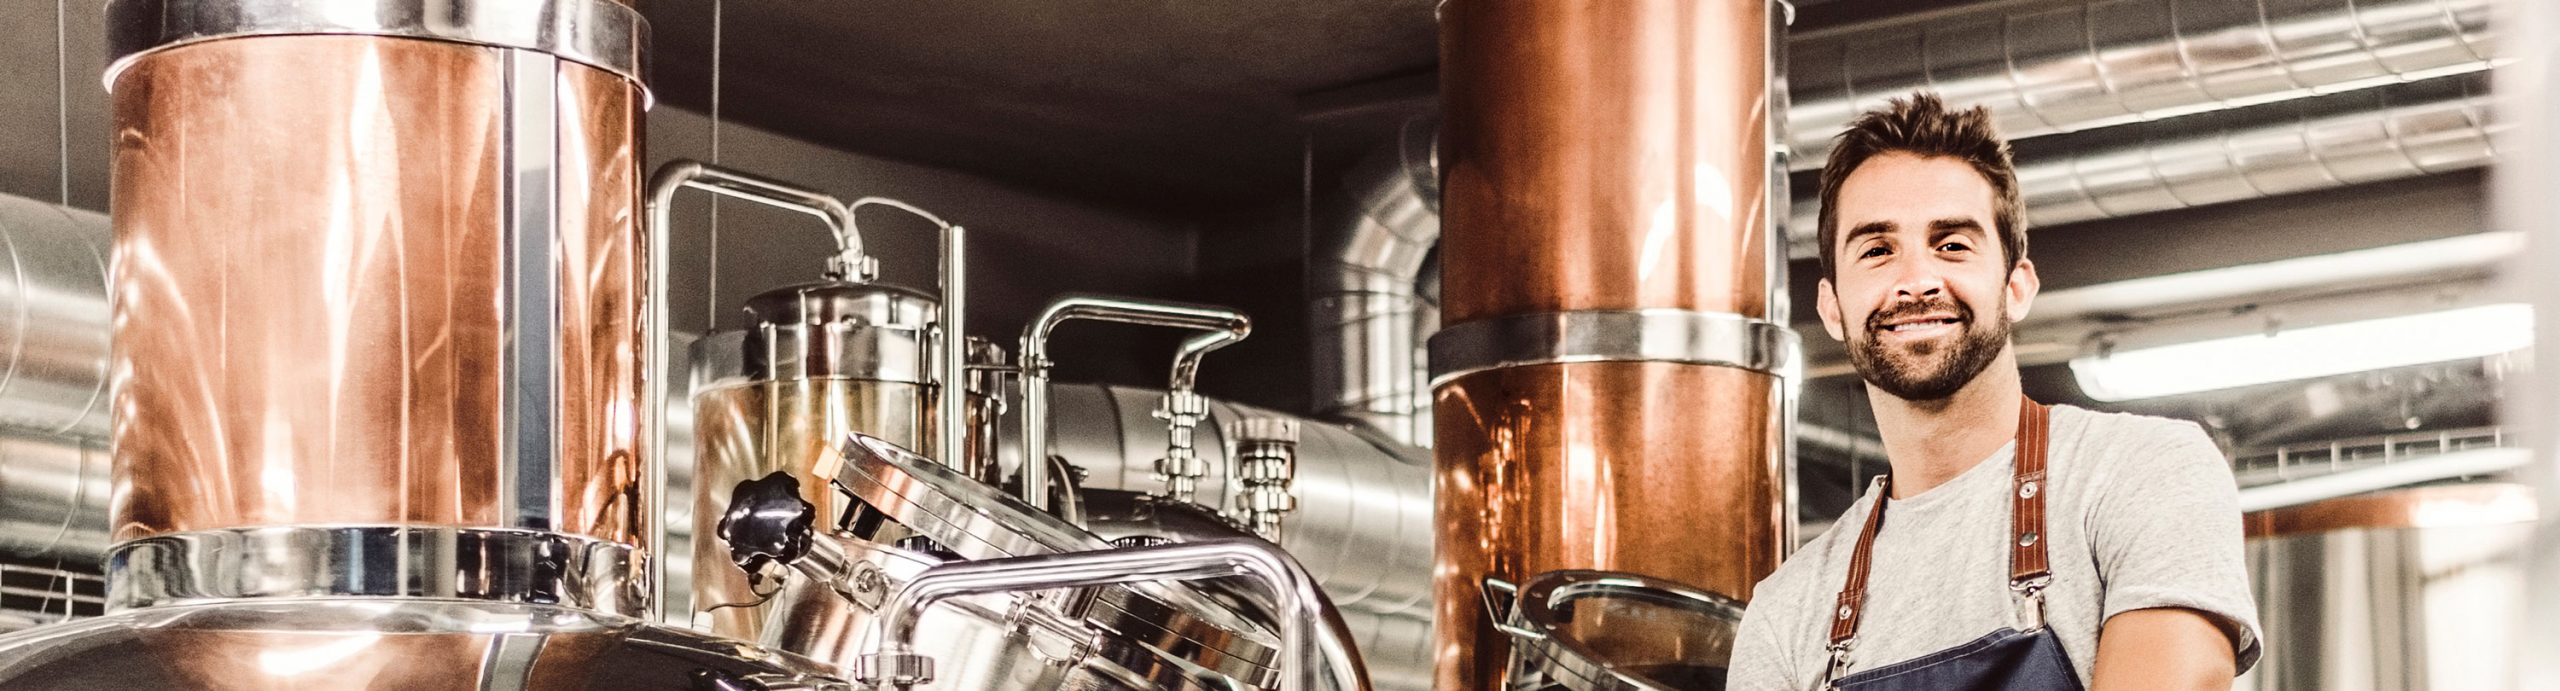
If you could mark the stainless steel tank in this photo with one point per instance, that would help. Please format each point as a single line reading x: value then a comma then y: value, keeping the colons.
x: 2402, y: 590
x: 817, y: 362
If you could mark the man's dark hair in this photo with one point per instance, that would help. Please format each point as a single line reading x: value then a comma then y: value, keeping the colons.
x: 1922, y: 125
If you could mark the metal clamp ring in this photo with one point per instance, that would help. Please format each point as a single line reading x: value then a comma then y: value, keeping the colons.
x: 1651, y: 335
x: 438, y: 562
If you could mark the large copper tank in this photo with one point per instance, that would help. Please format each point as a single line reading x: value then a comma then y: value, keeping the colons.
x: 1608, y: 383
x: 379, y: 354
x: 321, y: 316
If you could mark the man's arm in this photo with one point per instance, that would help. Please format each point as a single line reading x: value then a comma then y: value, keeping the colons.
x: 2165, y: 529
x: 2162, y: 648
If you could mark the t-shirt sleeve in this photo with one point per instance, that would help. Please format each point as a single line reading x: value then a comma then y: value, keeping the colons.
x: 2166, y: 532
x: 1761, y: 661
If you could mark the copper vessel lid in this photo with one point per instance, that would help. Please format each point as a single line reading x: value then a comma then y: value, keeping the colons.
x: 976, y: 521
x: 1613, y: 631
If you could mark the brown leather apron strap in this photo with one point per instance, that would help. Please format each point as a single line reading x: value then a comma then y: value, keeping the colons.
x: 2028, y: 562
x: 1853, y: 599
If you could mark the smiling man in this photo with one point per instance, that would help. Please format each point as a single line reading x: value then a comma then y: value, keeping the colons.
x: 2012, y: 545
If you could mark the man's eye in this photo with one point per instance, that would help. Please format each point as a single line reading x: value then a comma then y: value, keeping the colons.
x: 1953, y: 247
x: 1874, y: 251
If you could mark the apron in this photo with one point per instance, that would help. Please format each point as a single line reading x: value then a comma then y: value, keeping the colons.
x: 2009, y: 659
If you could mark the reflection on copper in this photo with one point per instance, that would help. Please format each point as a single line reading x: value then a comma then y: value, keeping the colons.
x: 2468, y: 504
x: 743, y: 431
x: 307, y: 287
x: 1654, y: 468
x: 1604, y: 156
x: 252, y: 660
x: 603, y: 283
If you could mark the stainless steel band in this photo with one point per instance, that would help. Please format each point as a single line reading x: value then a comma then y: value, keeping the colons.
x: 445, y: 563
x: 1649, y: 335
x: 606, y: 35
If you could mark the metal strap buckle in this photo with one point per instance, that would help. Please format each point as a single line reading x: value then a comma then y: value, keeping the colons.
x: 2028, y: 597
x: 1839, y: 666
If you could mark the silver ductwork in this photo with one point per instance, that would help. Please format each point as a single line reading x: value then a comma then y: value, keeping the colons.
x: 2052, y: 67
x: 53, y: 319
x: 1371, y: 311
x: 2392, y: 140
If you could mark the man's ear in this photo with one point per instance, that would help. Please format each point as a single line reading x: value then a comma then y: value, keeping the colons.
x: 1827, y: 304
x: 2023, y: 285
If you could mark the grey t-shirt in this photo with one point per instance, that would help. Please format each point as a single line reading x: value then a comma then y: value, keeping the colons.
x: 2142, y: 512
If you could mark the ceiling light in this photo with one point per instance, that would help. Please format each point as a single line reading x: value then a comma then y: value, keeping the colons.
x: 2305, y: 353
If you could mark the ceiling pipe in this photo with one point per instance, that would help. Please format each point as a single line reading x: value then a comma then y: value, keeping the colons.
x: 2054, y: 67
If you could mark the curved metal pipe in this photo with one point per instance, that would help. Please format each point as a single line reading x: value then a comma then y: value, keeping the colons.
x: 848, y: 264
x: 1319, y: 648
x: 1363, y: 524
x: 1230, y: 326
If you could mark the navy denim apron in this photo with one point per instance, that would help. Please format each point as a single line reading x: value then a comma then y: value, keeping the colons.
x: 2009, y: 659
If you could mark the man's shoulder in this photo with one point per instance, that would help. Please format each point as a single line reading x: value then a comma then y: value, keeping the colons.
x: 2133, y: 435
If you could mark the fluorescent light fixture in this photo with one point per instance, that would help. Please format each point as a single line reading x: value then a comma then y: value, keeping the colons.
x: 2317, y: 351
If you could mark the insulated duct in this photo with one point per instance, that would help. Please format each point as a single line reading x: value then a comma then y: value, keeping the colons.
x: 2044, y: 68
x: 2052, y: 67
x: 53, y: 319
x: 2390, y: 141
x: 1370, y: 313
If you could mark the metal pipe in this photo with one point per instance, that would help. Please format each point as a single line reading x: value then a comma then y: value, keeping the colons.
x: 848, y: 264
x: 1319, y: 654
x: 2344, y: 483
x: 1232, y: 325
x: 2068, y: 65
x: 2392, y: 134
x: 53, y: 319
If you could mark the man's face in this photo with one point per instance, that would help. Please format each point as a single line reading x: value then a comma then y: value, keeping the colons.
x: 1921, y: 292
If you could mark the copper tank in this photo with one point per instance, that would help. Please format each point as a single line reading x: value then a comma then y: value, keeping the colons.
x: 317, y: 297
x: 1608, y: 179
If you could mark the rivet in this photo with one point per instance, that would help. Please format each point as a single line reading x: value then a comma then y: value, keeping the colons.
x: 1844, y: 612
x: 2027, y: 539
x: 2027, y: 490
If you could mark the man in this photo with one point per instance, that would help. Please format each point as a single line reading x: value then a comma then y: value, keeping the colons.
x: 2018, y: 547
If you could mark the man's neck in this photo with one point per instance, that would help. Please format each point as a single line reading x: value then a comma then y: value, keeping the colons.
x: 1931, y: 442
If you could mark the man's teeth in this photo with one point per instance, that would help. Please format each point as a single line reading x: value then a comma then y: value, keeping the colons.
x: 1917, y: 325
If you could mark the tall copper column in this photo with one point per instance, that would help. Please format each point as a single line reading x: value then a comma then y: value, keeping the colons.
x: 1608, y: 386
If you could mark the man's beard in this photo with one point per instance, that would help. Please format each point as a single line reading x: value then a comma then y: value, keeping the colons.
x: 1929, y: 371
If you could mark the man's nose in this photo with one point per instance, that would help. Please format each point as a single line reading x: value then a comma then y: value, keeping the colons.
x: 1918, y: 280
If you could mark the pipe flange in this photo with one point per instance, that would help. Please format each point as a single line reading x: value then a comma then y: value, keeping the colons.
x: 605, y: 35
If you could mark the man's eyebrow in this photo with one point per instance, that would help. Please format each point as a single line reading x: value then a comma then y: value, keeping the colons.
x: 1866, y: 229
x: 1957, y: 223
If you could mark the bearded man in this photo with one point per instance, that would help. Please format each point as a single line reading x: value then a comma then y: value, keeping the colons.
x: 2026, y: 547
